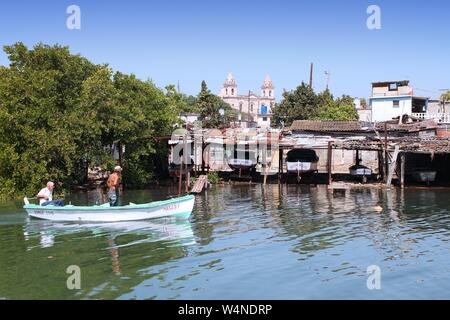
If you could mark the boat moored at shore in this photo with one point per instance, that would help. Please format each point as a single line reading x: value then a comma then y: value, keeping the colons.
x: 301, y: 161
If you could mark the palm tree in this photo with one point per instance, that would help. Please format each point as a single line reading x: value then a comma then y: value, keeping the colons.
x: 445, y: 96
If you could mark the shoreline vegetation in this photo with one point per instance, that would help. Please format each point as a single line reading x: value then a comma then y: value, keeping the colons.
x: 61, y: 114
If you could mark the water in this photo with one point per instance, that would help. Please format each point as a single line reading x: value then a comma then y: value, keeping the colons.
x: 243, y: 242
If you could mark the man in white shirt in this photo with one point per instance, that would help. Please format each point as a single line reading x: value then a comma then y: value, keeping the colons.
x: 45, y: 196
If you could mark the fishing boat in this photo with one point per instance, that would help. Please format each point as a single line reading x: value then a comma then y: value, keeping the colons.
x: 360, y: 171
x: 178, y: 207
x: 243, y: 160
x: 424, y: 175
x: 301, y: 161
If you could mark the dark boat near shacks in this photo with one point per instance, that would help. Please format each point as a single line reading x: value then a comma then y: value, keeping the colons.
x: 301, y: 161
x: 243, y: 160
x: 360, y: 171
x: 424, y: 175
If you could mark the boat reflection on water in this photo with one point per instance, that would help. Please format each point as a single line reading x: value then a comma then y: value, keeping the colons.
x: 164, y: 229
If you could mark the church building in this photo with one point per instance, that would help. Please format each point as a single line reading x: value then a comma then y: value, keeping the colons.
x: 253, y: 110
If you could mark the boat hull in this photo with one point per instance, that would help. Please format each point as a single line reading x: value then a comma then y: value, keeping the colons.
x: 300, y: 167
x: 179, y: 208
x: 425, y: 176
x: 241, y: 164
x: 361, y: 172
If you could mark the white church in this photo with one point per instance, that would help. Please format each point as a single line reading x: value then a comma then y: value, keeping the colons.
x: 252, y: 108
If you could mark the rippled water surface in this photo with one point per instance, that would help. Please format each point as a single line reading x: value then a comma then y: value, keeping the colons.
x: 242, y: 242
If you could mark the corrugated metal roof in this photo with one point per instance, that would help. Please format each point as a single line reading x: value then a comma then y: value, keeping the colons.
x: 326, y: 126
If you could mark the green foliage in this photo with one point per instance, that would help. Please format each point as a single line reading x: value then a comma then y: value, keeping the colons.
x: 299, y: 104
x: 209, y: 106
x: 342, y: 109
x: 58, y: 110
x: 304, y: 104
x: 213, y: 178
x: 181, y: 101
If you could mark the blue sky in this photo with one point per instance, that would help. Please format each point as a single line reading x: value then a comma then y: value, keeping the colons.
x: 191, y: 41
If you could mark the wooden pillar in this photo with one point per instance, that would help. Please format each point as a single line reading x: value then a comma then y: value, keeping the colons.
x: 386, y: 154
x: 186, y: 163
x: 195, y: 155
x: 381, y: 164
x: 280, y: 163
x: 402, y: 169
x: 330, y: 162
x: 180, y: 178
x: 392, y: 166
x: 264, y: 164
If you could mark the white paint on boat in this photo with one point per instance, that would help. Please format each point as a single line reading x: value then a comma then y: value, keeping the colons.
x: 300, y: 166
x: 178, y: 207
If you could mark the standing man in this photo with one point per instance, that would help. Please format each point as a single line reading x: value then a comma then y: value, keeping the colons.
x: 113, y: 187
x: 45, y: 196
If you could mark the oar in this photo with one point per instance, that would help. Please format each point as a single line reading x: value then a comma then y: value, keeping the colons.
x: 26, y: 200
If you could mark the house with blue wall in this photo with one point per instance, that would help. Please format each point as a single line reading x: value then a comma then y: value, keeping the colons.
x: 391, y: 99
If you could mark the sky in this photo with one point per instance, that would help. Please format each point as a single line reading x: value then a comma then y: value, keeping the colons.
x: 188, y: 41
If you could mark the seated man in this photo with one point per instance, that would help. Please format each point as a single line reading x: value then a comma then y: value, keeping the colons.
x: 45, y: 196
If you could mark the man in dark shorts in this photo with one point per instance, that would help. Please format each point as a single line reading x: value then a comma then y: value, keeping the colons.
x: 113, y: 187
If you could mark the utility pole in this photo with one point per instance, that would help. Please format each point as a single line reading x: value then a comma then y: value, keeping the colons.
x: 248, y: 106
x: 311, y: 75
x: 328, y: 74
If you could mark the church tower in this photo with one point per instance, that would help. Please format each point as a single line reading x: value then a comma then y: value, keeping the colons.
x: 267, y: 96
x: 229, y: 87
x: 267, y: 89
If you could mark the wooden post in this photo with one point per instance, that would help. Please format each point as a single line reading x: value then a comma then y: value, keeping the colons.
x: 180, y: 178
x: 386, y: 154
x: 402, y: 170
x: 203, y: 150
x: 381, y: 164
x: 195, y: 156
x: 280, y: 163
x: 393, y: 166
x: 186, y: 157
x: 330, y: 162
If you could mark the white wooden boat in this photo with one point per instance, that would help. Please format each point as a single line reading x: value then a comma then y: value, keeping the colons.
x: 300, y: 161
x: 360, y: 171
x: 243, y: 160
x: 178, y: 207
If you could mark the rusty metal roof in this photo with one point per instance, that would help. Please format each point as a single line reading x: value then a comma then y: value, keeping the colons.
x: 326, y: 126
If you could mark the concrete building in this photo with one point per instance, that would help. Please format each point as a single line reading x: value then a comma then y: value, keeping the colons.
x: 364, y: 112
x: 391, y: 99
x: 438, y: 106
x: 254, y: 110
